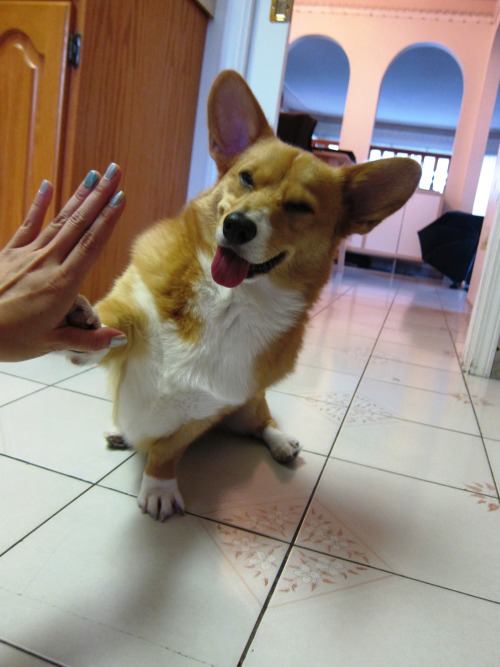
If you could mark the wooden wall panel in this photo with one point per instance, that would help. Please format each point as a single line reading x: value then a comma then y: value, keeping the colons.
x: 134, y: 99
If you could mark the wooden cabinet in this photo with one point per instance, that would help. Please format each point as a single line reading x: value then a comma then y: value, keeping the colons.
x: 397, y: 235
x: 132, y: 100
x: 33, y: 42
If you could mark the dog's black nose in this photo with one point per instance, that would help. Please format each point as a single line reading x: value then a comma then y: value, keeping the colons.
x: 238, y: 229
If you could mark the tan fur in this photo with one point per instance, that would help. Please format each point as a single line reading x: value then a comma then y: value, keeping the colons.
x: 166, y: 258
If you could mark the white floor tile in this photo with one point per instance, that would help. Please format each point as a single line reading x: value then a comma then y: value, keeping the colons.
x: 189, y: 588
x: 12, y: 388
x: 422, y: 338
x: 384, y: 401
x: 322, y: 614
x: 416, y: 375
x: 424, y: 531
x: 351, y: 359
x: 444, y: 359
x: 93, y: 382
x: 13, y: 657
x: 416, y: 450
x: 60, y: 430
x: 324, y: 330
x: 493, y: 449
x: 319, y: 384
x: 419, y: 318
x: 29, y: 496
x: 485, y: 395
x: 48, y: 369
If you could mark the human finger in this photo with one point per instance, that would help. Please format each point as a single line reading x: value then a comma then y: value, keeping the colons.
x: 84, y: 217
x: 86, y: 251
x: 33, y: 222
x: 87, y: 340
x: 76, y: 200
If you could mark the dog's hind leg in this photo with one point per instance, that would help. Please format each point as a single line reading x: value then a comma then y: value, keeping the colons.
x: 255, y: 419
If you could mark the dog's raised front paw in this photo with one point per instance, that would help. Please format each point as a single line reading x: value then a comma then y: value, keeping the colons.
x: 160, y: 498
x: 284, y: 448
x: 82, y: 315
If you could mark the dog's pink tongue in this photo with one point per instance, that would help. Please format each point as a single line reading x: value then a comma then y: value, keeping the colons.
x: 228, y: 269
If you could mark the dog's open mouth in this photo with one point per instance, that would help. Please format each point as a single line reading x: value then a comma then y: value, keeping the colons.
x: 230, y: 270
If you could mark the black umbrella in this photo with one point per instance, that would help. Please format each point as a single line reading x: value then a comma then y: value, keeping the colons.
x: 449, y: 244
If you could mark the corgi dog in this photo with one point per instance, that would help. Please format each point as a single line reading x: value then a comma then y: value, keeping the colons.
x: 215, y: 302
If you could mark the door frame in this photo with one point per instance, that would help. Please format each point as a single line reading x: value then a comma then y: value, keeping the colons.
x: 483, y: 334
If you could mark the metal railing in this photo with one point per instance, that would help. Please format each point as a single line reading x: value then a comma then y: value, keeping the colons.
x: 435, y: 166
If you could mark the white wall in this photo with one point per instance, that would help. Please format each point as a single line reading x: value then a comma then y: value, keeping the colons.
x: 239, y: 37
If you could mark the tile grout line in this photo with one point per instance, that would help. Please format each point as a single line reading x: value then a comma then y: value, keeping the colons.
x: 464, y: 375
x: 400, y: 575
x: 416, y: 479
x: 92, y: 485
x: 292, y: 543
x: 28, y: 651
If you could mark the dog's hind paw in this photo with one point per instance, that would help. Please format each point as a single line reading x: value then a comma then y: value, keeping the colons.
x: 284, y: 448
x: 116, y: 440
x: 160, y: 498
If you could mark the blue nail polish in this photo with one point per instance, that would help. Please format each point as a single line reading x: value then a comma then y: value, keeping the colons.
x: 117, y: 198
x: 91, y: 179
x: 111, y: 171
x: 44, y: 186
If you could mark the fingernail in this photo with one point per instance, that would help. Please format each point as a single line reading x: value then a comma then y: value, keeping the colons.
x: 118, y: 341
x: 44, y: 186
x: 111, y: 171
x: 117, y: 198
x: 91, y: 179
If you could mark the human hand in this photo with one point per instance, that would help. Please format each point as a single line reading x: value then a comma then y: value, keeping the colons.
x: 41, y: 270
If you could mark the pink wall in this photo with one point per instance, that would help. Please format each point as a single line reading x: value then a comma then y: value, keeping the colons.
x: 372, y: 40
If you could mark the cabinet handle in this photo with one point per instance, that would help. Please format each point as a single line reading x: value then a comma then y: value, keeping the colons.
x: 74, y: 45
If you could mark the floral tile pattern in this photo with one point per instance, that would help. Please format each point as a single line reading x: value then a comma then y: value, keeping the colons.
x: 256, y: 559
x: 376, y: 546
x: 484, y: 495
x: 308, y: 574
x: 324, y: 532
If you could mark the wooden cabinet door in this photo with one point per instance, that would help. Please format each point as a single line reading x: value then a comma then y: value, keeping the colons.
x: 33, y: 46
x: 133, y: 101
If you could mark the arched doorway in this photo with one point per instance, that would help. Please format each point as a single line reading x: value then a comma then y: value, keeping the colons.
x: 418, y: 110
x: 316, y: 81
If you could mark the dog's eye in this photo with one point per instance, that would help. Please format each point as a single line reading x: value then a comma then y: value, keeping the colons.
x: 246, y: 179
x: 297, y: 207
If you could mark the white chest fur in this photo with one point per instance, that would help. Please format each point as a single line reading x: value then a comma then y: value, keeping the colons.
x: 180, y: 381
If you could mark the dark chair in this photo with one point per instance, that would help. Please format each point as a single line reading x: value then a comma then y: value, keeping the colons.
x: 296, y: 129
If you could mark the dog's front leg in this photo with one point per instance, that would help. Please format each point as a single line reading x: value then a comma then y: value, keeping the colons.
x: 159, y: 495
x: 255, y: 419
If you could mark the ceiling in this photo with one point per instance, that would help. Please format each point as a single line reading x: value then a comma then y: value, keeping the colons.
x: 471, y: 7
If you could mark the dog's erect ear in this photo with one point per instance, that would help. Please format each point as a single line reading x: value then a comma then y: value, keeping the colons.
x: 375, y: 190
x: 235, y: 119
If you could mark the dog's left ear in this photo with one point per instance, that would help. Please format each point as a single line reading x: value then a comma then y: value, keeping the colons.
x: 235, y: 119
x: 375, y: 190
